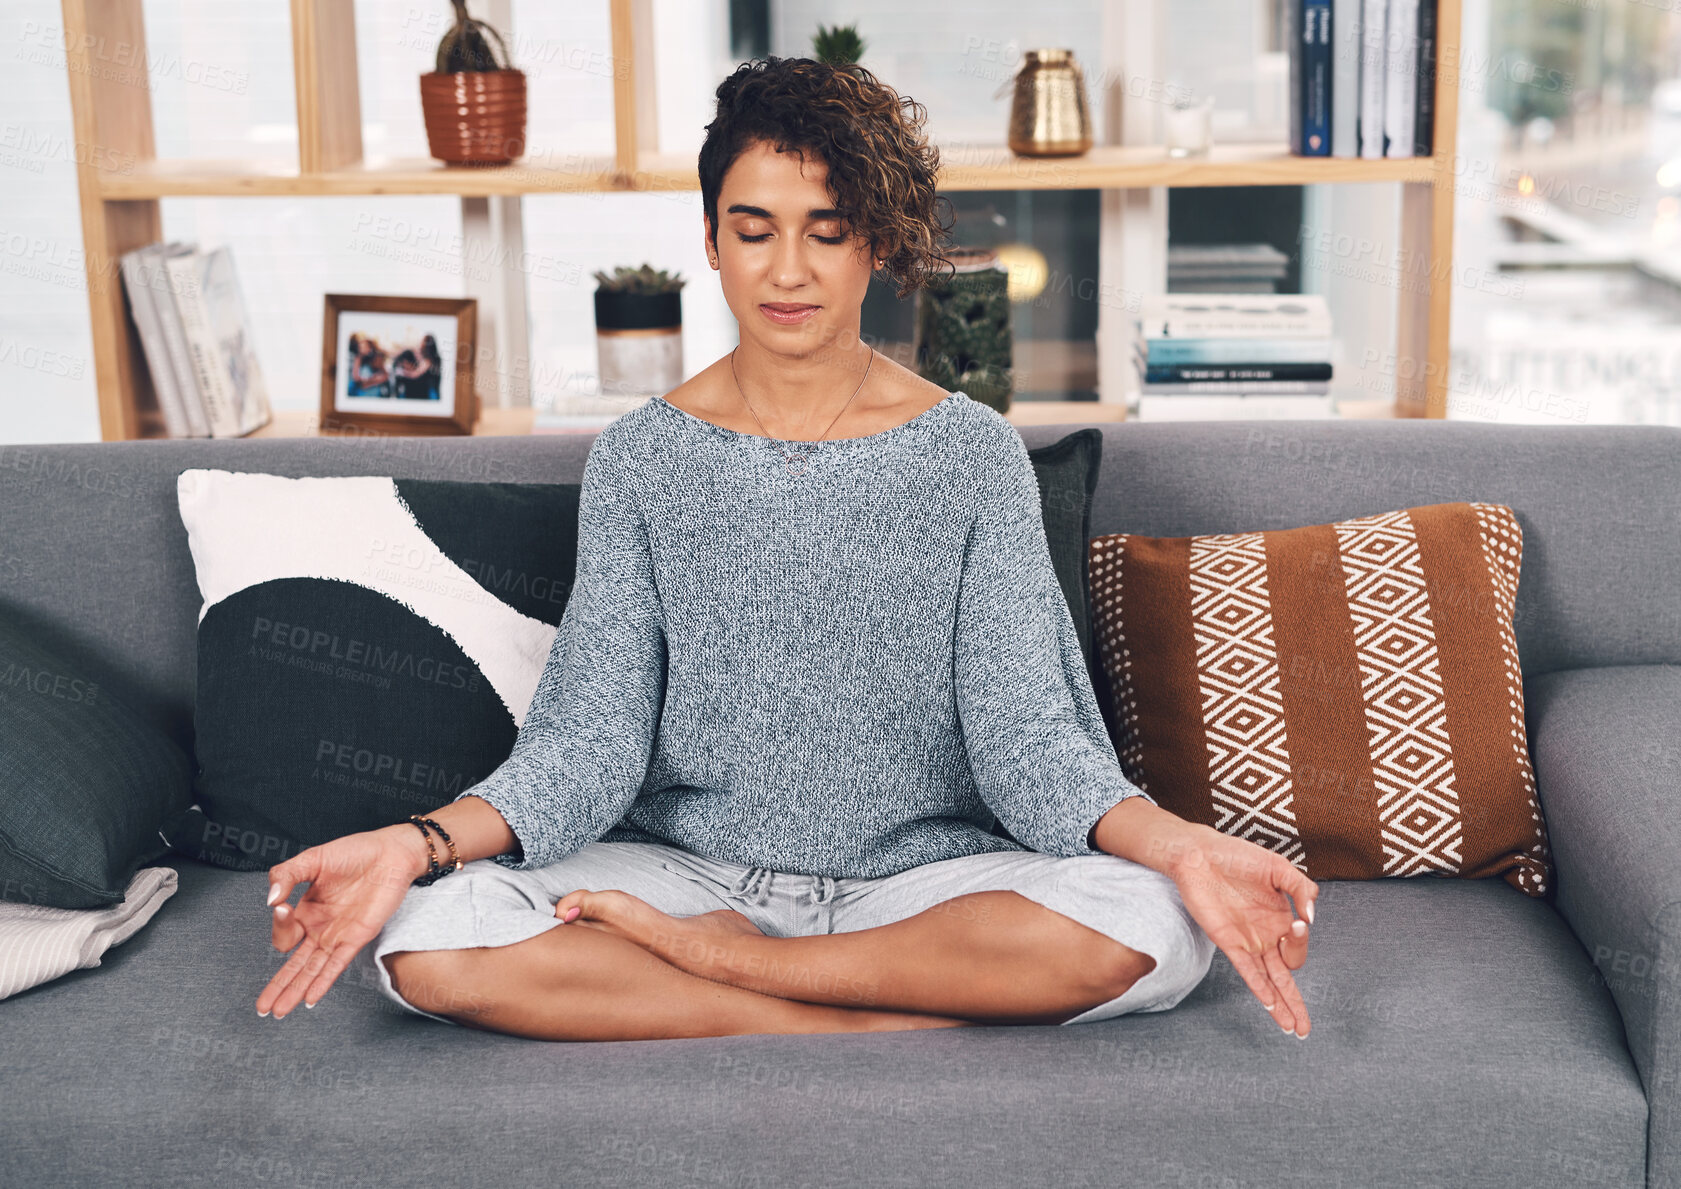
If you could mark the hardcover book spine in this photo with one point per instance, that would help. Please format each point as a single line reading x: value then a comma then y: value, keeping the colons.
x: 1238, y: 350
x: 1240, y: 387
x: 136, y: 270
x: 1173, y: 373
x: 175, y: 342
x: 1373, y: 64
x: 1294, y: 15
x: 1424, y: 125
x: 1316, y: 77
x: 201, y: 345
x: 1399, y: 82
x: 1345, y: 78
x: 1213, y: 326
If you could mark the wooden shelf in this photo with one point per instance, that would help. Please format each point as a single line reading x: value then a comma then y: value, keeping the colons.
x: 185, y: 177
x: 120, y: 210
x: 306, y: 423
x: 303, y: 423
x: 968, y: 166
x: 964, y: 167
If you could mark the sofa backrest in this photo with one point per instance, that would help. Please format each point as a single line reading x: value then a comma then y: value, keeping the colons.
x: 93, y: 554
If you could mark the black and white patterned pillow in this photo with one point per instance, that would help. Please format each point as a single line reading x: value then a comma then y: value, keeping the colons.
x: 367, y: 648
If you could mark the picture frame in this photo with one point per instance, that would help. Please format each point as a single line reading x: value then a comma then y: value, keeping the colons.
x: 400, y: 365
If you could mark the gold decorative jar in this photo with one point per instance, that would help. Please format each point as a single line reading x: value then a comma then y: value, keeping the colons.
x: 1048, y: 114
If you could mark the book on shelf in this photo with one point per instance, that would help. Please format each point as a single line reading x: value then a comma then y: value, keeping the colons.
x: 1345, y: 78
x: 1373, y: 59
x: 1238, y: 388
x: 1158, y: 352
x: 195, y: 336
x: 1424, y: 120
x: 1225, y: 268
x: 1203, y: 315
x: 1400, y: 78
x: 1362, y: 77
x: 1309, y: 23
x: 1234, y: 407
x: 1235, y: 347
x: 1223, y: 285
x: 161, y: 343
x: 212, y: 313
x: 1179, y: 373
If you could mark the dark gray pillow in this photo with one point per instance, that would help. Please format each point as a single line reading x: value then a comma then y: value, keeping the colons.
x: 1067, y: 473
x: 367, y: 648
x: 85, y: 779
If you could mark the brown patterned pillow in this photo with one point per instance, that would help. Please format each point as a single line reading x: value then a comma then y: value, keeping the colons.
x: 1347, y: 695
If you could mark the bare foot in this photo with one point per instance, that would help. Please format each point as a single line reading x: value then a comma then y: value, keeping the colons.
x: 634, y: 919
x: 692, y: 943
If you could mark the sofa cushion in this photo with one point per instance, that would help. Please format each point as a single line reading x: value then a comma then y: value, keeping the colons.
x: 1067, y: 471
x: 1459, y: 1037
x: 85, y: 778
x: 368, y: 648
x: 1347, y: 695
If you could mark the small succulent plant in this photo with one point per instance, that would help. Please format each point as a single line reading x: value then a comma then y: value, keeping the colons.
x: 465, y: 47
x: 644, y: 280
x: 839, y: 46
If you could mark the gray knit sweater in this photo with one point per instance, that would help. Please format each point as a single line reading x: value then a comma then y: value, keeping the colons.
x: 845, y: 672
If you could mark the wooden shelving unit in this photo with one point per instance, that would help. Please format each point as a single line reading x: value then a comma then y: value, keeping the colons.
x: 120, y: 210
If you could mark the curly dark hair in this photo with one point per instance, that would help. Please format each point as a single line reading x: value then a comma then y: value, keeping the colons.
x: 881, y: 168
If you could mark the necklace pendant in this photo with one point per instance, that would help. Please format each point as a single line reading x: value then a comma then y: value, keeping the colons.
x: 795, y: 464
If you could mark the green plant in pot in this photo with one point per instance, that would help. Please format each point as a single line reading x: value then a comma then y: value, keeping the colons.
x: 474, y: 101
x: 962, y: 339
x: 639, y: 331
x: 839, y: 46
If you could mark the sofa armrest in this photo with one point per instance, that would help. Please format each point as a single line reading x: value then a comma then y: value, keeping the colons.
x: 1607, y: 750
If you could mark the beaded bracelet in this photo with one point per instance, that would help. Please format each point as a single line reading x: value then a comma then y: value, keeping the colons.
x: 436, y: 870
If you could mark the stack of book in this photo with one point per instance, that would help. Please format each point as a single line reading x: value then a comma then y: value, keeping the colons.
x: 1225, y: 268
x: 196, y: 335
x: 1362, y: 77
x: 1211, y: 356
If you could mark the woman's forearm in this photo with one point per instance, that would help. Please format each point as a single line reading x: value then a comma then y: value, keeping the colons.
x: 1146, y: 833
x: 475, y: 826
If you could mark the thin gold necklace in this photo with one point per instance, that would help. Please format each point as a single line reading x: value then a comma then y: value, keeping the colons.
x: 791, y: 458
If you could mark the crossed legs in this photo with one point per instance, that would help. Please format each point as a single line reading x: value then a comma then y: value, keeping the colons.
x: 623, y: 970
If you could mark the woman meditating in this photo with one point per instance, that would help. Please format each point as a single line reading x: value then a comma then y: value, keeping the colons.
x: 815, y: 650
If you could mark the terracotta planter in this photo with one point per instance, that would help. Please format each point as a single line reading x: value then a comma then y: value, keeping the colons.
x: 475, y: 118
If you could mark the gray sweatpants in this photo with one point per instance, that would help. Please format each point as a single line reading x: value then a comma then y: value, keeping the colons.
x: 487, y: 904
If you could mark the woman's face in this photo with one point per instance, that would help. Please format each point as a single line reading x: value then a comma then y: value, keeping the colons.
x: 780, y: 244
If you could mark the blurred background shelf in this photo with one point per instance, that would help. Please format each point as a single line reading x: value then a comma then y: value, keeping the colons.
x: 120, y: 207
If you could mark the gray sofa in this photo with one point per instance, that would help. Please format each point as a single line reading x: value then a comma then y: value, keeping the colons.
x: 1463, y: 1034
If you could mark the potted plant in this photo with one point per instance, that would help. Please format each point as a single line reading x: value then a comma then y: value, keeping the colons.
x: 639, y: 331
x: 962, y: 331
x: 474, y: 101
x: 839, y: 46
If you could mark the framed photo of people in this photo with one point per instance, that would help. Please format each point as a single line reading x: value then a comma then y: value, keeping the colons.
x: 401, y: 365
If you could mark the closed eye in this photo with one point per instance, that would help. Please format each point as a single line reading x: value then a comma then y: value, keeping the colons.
x: 822, y: 239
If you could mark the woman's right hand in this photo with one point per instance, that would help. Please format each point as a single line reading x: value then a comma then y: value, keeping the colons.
x: 355, y: 885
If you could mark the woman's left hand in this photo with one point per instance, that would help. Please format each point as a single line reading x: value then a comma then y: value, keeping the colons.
x: 1234, y: 889
x: 1237, y: 892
